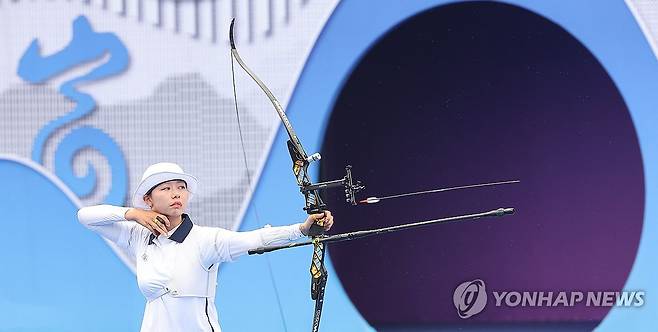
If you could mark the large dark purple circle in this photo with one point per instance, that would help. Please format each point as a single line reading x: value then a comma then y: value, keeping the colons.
x: 475, y: 92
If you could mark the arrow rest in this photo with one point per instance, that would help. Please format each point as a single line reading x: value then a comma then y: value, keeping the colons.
x: 314, y: 203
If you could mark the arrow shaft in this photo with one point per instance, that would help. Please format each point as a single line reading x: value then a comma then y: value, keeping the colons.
x: 489, y: 184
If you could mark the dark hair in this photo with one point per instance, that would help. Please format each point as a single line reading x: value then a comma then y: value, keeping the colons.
x: 148, y: 193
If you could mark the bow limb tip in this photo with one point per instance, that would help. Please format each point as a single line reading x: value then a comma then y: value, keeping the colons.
x: 230, y: 34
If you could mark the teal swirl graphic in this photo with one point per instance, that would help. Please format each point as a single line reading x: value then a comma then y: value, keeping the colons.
x: 91, y: 137
x: 85, y: 46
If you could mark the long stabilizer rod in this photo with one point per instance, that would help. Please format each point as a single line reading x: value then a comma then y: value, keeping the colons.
x: 360, y: 234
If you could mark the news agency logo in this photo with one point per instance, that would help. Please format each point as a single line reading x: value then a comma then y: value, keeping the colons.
x: 513, y: 299
x: 470, y: 298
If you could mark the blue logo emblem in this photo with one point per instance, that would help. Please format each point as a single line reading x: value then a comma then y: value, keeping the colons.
x: 58, y: 275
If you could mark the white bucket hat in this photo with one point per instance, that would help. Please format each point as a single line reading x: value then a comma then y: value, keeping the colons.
x: 159, y: 173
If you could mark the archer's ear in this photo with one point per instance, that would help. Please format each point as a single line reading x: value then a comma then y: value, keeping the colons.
x: 148, y: 200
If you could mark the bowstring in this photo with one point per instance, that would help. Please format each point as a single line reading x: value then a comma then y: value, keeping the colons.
x: 246, y: 163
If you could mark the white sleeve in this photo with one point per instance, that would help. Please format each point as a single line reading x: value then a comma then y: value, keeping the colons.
x: 110, y: 222
x: 224, y: 245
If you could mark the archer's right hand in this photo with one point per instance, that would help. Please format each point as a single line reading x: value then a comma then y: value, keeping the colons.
x: 149, y: 219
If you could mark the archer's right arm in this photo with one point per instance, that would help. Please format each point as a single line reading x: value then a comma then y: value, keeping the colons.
x: 110, y: 222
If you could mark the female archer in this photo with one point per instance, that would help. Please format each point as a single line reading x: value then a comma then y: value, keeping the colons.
x: 176, y: 260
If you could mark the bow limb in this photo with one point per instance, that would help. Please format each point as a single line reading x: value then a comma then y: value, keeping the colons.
x: 291, y: 132
x: 301, y: 160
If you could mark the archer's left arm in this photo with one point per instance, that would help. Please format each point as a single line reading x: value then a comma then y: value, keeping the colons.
x: 224, y: 245
x: 221, y: 245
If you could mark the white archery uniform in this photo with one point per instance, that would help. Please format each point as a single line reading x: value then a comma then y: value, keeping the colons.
x: 178, y: 274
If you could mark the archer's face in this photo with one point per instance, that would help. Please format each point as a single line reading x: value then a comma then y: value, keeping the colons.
x: 169, y: 198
